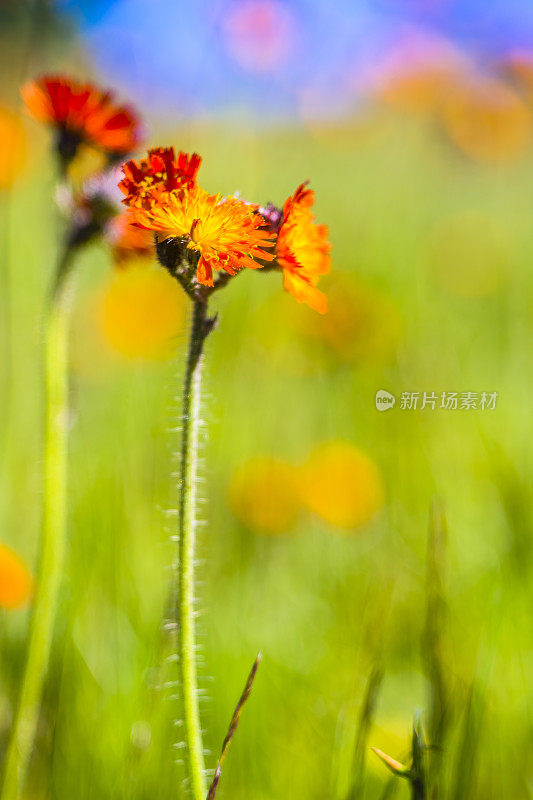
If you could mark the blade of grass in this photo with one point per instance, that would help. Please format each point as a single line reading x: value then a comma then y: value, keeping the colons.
x: 434, y: 646
x: 233, y: 727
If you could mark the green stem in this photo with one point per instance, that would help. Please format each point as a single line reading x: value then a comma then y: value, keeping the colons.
x: 53, y: 536
x: 194, y: 755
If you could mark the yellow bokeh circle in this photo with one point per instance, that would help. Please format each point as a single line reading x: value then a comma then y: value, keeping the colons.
x: 342, y: 485
x: 12, y: 147
x: 15, y: 579
x: 263, y: 495
x: 142, y: 311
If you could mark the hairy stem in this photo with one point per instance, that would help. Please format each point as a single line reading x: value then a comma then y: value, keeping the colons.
x: 194, y: 755
x: 53, y: 535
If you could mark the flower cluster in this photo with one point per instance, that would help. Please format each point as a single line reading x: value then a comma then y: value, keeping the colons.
x: 214, y: 233
x: 196, y: 233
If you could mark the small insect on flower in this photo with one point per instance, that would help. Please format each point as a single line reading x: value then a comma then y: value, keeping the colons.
x: 303, y: 250
x: 82, y: 113
x: 161, y: 172
x: 226, y: 233
x: 15, y: 580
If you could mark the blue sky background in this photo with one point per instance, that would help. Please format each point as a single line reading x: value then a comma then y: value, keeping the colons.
x: 185, y: 54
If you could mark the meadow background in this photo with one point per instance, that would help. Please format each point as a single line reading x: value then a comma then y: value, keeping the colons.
x: 414, y: 123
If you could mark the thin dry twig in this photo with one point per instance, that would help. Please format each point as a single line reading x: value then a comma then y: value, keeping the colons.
x: 233, y: 727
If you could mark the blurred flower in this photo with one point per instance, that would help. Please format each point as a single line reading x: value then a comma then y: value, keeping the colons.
x: 418, y: 71
x: 145, y: 180
x: 302, y: 250
x: 362, y: 324
x: 420, y: 90
x: 127, y: 241
x: 469, y: 254
x: 82, y: 114
x: 518, y: 68
x: 342, y: 485
x: 141, y: 312
x: 12, y: 147
x: 226, y: 233
x: 94, y: 211
x: 487, y: 120
x: 15, y: 580
x: 259, y: 34
x: 263, y: 495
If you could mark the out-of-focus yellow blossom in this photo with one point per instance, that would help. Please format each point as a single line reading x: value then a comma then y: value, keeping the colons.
x: 362, y: 324
x: 342, y: 485
x: 12, y: 147
x: 141, y: 312
x: 487, y: 120
x: 418, y: 90
x: 15, y: 579
x: 469, y: 254
x: 263, y: 494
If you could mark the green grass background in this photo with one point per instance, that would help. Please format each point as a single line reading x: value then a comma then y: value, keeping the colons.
x: 323, y: 607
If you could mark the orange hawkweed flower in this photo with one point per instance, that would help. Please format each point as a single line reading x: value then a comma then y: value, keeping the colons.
x: 160, y: 172
x: 15, y: 580
x: 303, y: 250
x: 227, y: 233
x: 82, y: 112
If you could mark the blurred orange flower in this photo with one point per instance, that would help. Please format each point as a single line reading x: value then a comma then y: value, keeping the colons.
x: 226, y: 232
x: 12, y: 147
x: 418, y: 90
x: 81, y: 112
x: 127, y: 240
x: 487, y: 120
x: 362, y: 324
x: 141, y: 312
x: 303, y: 250
x: 145, y: 180
x: 342, y: 485
x: 263, y: 495
x: 518, y: 67
x: 15, y: 580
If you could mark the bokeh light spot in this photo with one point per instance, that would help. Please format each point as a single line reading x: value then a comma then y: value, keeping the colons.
x: 142, y: 310
x: 469, y: 254
x: 12, y: 147
x: 15, y: 579
x: 362, y: 324
x: 342, y: 485
x: 259, y: 34
x: 263, y: 495
x: 487, y: 120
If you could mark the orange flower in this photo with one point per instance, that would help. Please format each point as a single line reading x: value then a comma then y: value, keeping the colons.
x: 82, y: 113
x: 128, y: 241
x: 15, y: 580
x: 225, y: 232
x: 145, y: 180
x: 303, y: 250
